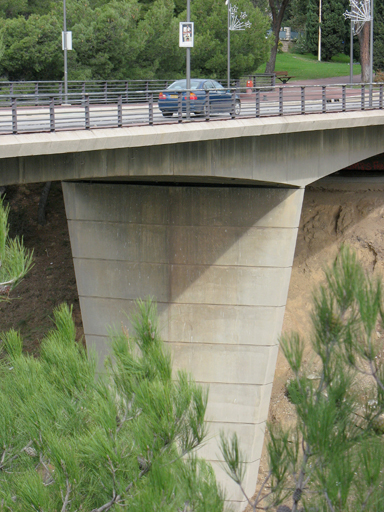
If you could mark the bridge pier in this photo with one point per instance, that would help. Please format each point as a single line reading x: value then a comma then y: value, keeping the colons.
x: 218, y: 261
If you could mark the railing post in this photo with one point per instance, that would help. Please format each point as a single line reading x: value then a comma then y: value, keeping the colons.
x: 146, y: 89
x: 14, y: 115
x: 83, y: 93
x: 257, y: 103
x: 86, y: 112
x: 206, y: 106
x: 126, y: 91
x: 11, y: 91
x: 344, y: 98
x: 323, y: 99
x: 52, y: 114
x: 120, y: 111
x: 188, y: 104
x: 150, y: 108
x: 302, y: 97
x: 179, y: 107
x: 36, y: 93
x: 281, y: 107
x: 233, y: 104
x: 381, y: 96
x: 363, y: 97
x: 61, y: 92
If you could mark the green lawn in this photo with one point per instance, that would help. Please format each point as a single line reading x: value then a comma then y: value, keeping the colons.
x: 306, y: 67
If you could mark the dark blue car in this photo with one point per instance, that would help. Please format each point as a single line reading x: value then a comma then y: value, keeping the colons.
x: 220, y: 99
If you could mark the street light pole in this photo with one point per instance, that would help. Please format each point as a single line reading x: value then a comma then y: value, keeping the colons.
x: 188, y: 73
x: 319, y: 41
x: 229, y: 46
x: 65, y: 54
x: 236, y: 21
x: 371, y: 57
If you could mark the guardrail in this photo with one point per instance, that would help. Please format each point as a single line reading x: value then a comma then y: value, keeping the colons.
x: 90, y: 111
x: 104, y: 91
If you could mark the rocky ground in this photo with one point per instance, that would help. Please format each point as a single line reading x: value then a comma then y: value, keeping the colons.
x: 335, y: 211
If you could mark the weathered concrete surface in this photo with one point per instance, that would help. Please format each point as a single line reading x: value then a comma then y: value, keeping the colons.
x: 218, y: 261
x: 292, y: 150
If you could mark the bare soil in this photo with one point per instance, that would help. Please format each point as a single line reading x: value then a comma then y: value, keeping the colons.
x: 335, y: 211
x: 52, y: 279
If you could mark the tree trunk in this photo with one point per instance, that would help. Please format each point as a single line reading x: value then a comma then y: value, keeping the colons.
x: 43, y: 203
x: 270, y: 67
x: 277, y: 11
x: 364, y: 52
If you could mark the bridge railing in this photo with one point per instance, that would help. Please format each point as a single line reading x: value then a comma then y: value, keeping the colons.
x: 28, y: 112
x: 98, y: 90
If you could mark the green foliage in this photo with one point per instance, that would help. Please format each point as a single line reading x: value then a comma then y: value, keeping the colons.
x: 333, y: 28
x: 32, y: 48
x: 15, y: 260
x: 249, y: 48
x: 312, y: 26
x: 378, y: 36
x: 332, y: 459
x: 72, y: 439
x: 120, y: 39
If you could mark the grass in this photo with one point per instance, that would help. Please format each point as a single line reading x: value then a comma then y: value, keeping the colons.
x: 307, y: 67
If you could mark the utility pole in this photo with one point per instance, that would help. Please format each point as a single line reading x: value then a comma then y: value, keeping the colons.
x: 319, y: 42
x: 188, y: 74
x: 65, y: 54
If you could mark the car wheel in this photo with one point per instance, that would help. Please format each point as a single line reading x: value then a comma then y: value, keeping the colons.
x: 167, y: 114
x: 237, y: 108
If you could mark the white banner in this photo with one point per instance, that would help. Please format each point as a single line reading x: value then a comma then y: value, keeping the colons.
x: 69, y: 40
x: 186, y: 34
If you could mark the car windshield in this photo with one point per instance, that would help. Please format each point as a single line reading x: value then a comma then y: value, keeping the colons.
x: 181, y: 85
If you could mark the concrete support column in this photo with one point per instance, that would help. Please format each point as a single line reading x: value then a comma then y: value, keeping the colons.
x: 218, y: 262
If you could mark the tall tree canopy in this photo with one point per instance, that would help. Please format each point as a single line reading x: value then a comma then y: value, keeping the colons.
x: 121, y: 39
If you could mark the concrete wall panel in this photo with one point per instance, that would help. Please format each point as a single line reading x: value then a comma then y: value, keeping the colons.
x: 187, y: 244
x: 191, y: 323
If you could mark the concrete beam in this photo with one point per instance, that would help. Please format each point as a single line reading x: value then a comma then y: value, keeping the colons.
x: 218, y: 261
x: 292, y: 151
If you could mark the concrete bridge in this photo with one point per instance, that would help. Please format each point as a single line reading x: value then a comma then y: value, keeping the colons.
x: 204, y: 218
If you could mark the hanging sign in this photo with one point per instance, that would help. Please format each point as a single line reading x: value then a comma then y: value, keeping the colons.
x: 69, y: 40
x: 186, y: 34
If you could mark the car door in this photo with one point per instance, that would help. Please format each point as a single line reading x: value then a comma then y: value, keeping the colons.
x: 213, y: 96
x: 223, y: 97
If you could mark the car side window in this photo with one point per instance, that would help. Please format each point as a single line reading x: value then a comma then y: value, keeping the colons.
x: 208, y: 85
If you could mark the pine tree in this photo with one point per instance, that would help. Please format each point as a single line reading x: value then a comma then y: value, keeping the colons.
x: 333, y: 28
x: 378, y: 37
x: 333, y: 460
x: 72, y: 439
x: 312, y: 26
x: 15, y: 260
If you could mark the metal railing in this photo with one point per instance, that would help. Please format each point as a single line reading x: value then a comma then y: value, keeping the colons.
x: 101, y: 90
x: 44, y: 112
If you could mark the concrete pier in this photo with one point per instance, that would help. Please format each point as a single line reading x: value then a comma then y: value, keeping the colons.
x: 218, y: 261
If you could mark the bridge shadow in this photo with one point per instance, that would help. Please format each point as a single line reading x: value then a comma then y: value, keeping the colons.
x: 191, y: 246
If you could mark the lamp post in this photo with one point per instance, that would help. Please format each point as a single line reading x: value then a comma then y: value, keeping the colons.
x: 361, y: 12
x: 319, y: 40
x: 188, y: 74
x: 235, y: 22
x: 65, y: 53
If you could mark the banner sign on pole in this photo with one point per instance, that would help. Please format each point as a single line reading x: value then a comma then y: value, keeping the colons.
x: 186, y: 34
x: 69, y: 40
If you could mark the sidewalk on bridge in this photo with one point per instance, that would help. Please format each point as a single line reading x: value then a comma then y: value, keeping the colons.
x: 338, y: 80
